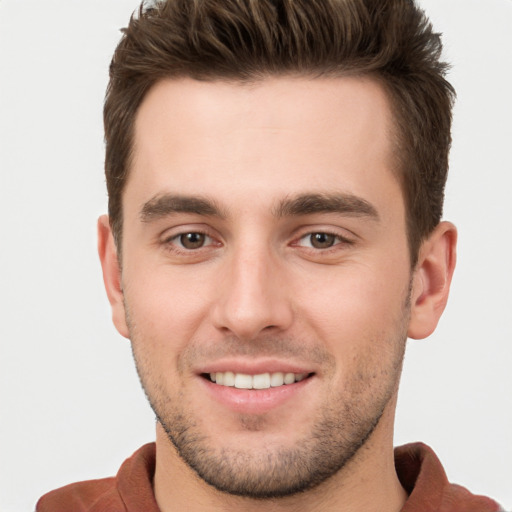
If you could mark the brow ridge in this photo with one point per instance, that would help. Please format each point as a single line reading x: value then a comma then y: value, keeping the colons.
x: 342, y: 203
x: 304, y: 204
x: 167, y: 204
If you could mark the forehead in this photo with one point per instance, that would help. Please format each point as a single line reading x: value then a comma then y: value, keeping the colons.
x: 274, y: 137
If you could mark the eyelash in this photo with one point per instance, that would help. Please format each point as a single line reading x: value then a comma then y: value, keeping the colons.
x: 174, y: 243
x: 338, y: 240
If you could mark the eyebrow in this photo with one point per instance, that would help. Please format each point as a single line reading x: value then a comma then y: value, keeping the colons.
x: 305, y: 204
x: 168, y: 204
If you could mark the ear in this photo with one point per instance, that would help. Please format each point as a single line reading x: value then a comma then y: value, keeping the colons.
x: 431, y: 280
x: 112, y: 274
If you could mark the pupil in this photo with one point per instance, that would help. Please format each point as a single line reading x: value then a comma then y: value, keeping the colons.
x: 192, y: 240
x: 322, y: 240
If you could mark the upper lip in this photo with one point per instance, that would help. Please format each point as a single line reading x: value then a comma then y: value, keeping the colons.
x: 254, y: 367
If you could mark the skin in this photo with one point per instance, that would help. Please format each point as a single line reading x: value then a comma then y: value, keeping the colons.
x: 261, y: 292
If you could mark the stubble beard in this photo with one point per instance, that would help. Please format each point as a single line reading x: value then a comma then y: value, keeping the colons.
x: 333, y: 442
x: 344, y: 426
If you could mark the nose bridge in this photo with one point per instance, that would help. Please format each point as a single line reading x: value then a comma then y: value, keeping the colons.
x: 252, y: 296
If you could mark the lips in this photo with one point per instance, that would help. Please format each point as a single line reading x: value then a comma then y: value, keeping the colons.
x: 259, y: 381
x: 256, y: 385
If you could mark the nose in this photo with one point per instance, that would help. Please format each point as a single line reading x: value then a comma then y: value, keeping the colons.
x: 252, y: 296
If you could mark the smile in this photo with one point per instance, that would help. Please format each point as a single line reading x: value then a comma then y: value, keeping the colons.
x: 259, y: 381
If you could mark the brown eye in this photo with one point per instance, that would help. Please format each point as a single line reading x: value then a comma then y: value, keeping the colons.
x: 322, y: 240
x: 192, y: 240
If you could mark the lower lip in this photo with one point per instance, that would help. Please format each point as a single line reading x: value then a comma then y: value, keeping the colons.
x: 255, y: 401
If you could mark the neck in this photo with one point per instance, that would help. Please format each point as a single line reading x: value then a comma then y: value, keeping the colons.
x: 368, y: 482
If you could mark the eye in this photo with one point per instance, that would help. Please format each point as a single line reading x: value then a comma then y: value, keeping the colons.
x: 320, y: 240
x: 192, y: 240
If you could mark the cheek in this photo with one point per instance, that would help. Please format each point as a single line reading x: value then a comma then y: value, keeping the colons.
x: 165, y: 309
x: 357, y: 310
x: 346, y: 296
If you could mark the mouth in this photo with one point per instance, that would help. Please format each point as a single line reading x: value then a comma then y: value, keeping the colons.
x: 260, y: 381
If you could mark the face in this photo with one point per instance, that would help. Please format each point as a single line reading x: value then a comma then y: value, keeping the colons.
x: 266, y: 275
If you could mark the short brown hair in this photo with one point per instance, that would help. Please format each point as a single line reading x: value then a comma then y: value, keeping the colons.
x: 248, y: 40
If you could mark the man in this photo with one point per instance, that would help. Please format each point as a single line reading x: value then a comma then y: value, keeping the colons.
x: 275, y: 173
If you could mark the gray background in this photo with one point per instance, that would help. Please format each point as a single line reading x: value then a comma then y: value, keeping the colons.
x: 71, y: 407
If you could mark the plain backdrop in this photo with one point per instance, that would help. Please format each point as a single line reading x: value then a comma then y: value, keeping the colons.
x: 71, y: 405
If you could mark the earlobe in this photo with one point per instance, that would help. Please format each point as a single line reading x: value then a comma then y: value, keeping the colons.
x: 431, y: 280
x: 112, y: 274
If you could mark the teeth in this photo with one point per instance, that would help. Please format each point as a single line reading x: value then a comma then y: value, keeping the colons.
x: 260, y: 381
x: 242, y: 381
x: 289, y: 378
x: 229, y: 379
x: 277, y: 379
